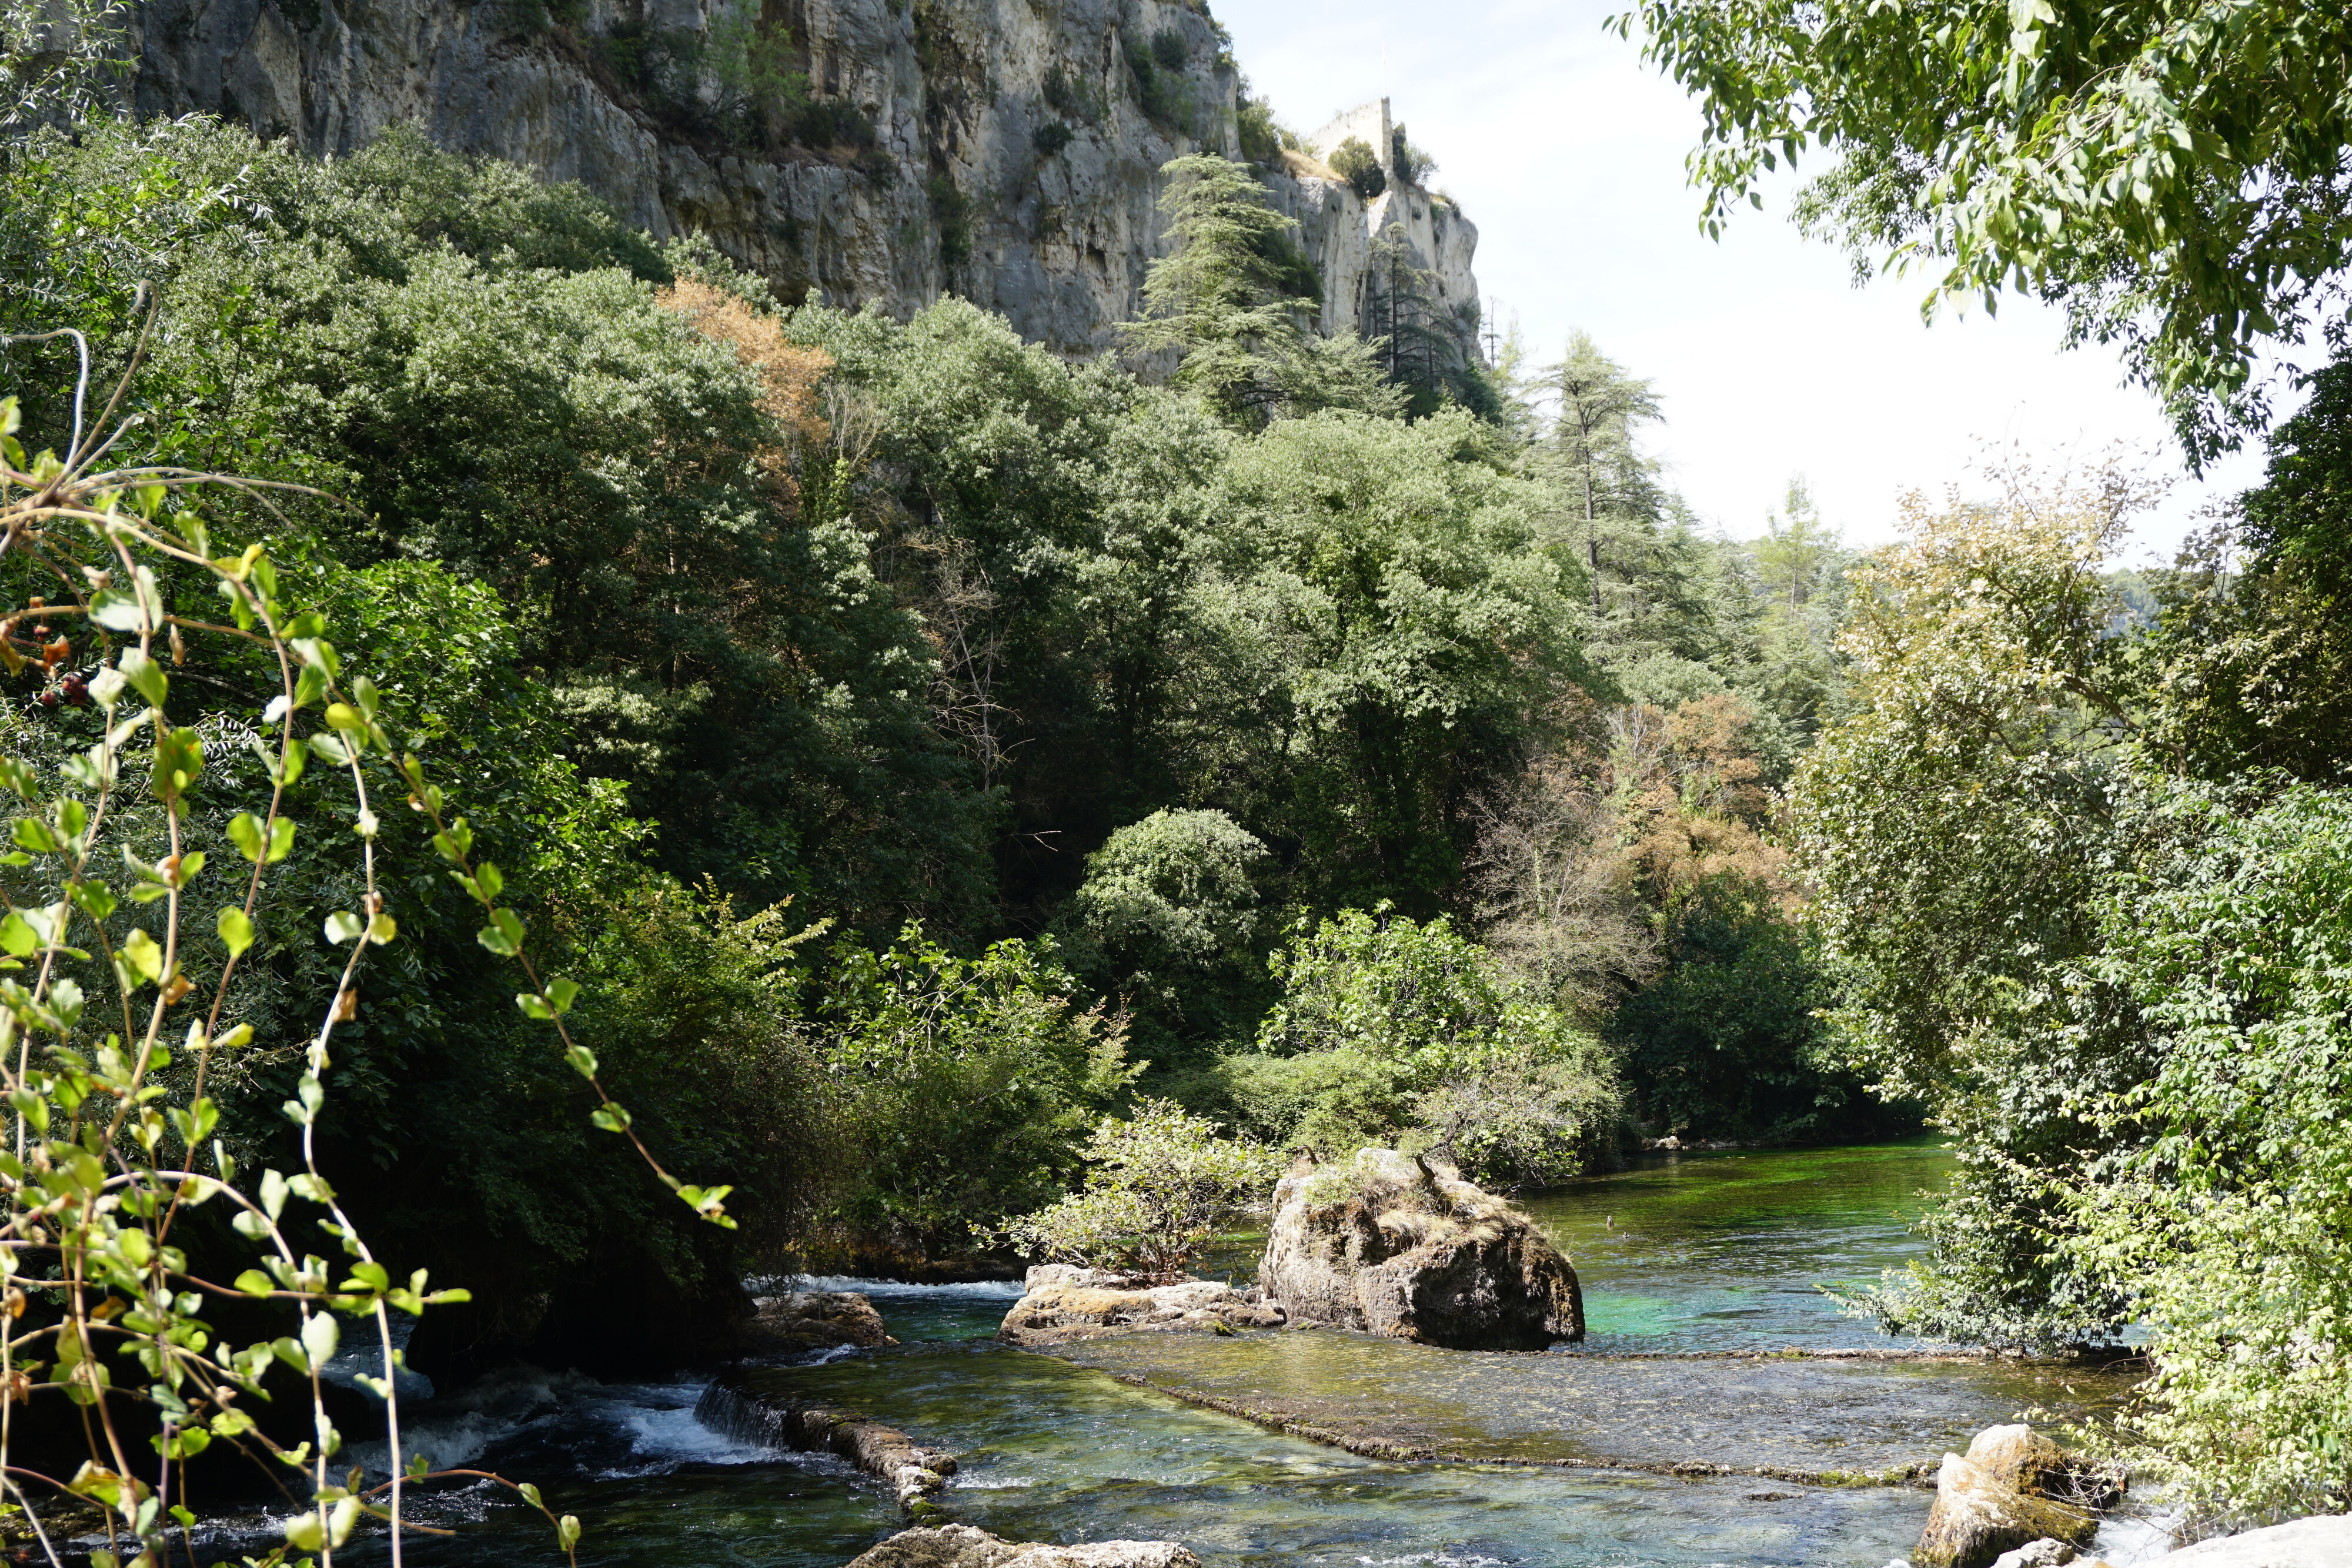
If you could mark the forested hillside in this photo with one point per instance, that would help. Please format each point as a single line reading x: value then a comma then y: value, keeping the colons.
x: 915, y: 744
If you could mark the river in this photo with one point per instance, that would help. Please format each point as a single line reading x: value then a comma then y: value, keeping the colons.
x: 1703, y: 1252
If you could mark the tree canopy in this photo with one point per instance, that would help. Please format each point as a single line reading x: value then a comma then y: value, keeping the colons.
x: 2173, y: 176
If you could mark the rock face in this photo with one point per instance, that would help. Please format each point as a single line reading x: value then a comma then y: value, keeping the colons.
x: 854, y: 152
x: 1063, y: 1304
x: 814, y: 1320
x: 1402, y: 1246
x: 962, y: 1546
x: 2013, y: 1488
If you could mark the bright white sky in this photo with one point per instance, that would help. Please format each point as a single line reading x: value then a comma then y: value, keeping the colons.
x: 1567, y: 151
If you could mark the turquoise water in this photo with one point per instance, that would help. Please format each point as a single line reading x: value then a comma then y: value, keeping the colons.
x: 1707, y: 1252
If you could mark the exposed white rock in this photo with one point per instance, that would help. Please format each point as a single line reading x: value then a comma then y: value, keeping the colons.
x: 1062, y: 1303
x: 2323, y: 1541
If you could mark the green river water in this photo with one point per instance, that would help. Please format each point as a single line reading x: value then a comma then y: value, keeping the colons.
x: 1712, y: 1252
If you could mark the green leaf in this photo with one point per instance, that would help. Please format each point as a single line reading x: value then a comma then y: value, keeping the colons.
x: 17, y: 937
x: 503, y: 934
x: 35, y: 835
x: 146, y: 676
x: 117, y: 610
x: 236, y: 932
x: 344, y: 926
x: 144, y: 955
x: 319, y: 1338
x: 253, y: 1282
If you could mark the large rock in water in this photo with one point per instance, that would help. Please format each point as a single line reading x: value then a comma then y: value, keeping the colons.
x: 2012, y: 1487
x: 814, y: 1319
x: 962, y: 1546
x: 1400, y: 1245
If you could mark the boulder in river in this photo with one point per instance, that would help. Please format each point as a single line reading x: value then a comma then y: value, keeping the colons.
x: 814, y: 1319
x: 2011, y: 1487
x: 962, y: 1546
x: 1400, y: 1245
x: 1061, y: 1303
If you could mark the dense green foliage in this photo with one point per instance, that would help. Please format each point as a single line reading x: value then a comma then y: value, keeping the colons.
x: 2172, y: 175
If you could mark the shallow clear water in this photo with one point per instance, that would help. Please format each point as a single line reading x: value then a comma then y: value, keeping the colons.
x: 1707, y: 1252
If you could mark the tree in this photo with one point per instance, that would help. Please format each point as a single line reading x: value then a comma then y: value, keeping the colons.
x: 2174, y: 177
x: 1955, y: 826
x: 2252, y: 649
x: 1221, y: 300
x: 1600, y: 404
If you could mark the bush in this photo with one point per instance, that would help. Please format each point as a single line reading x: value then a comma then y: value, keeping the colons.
x: 1355, y: 161
x: 1413, y: 166
x: 1051, y: 137
x: 1261, y: 137
x: 2230, y: 1223
x: 1162, y: 1182
x: 952, y: 211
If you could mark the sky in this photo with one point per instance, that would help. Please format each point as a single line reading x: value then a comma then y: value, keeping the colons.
x: 1568, y: 153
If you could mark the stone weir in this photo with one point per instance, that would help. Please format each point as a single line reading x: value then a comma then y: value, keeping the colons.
x: 740, y: 1405
x: 852, y: 151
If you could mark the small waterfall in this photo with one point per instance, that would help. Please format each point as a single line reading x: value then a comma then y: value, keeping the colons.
x: 742, y: 1420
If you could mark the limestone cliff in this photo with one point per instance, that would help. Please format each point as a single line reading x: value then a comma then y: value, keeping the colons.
x: 851, y: 151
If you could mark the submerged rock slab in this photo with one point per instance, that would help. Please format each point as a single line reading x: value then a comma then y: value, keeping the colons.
x: 1061, y: 1303
x: 962, y: 1546
x: 1400, y: 1245
x: 1838, y: 1420
x: 1998, y: 1497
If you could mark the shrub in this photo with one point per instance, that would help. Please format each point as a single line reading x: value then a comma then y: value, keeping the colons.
x: 1355, y: 161
x: 1260, y: 137
x: 1071, y: 98
x: 1163, y: 1181
x: 952, y: 213
x: 1051, y: 137
x: 1413, y: 166
x: 1167, y: 49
